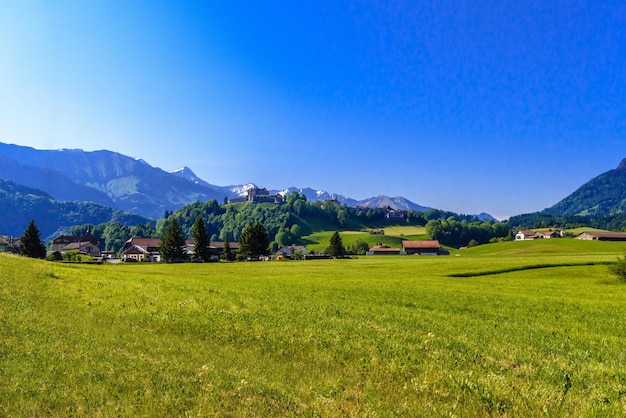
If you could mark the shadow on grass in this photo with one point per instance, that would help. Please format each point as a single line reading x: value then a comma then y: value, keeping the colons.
x: 521, y: 268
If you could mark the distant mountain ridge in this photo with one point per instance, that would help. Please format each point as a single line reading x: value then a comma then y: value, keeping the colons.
x: 603, y: 195
x: 132, y: 185
x: 123, y: 182
x: 312, y: 195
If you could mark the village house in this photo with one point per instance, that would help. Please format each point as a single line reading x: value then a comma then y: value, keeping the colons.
x: 381, y: 250
x: 141, y: 249
x: 147, y: 249
x: 550, y: 234
x: 216, y: 248
x: 4, y: 243
x: 525, y: 234
x: 394, y: 214
x: 289, y: 251
x: 86, y: 244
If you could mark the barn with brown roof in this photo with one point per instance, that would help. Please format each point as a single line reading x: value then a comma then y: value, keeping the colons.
x: 424, y: 247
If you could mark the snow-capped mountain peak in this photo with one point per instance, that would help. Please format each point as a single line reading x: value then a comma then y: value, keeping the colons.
x: 242, y: 190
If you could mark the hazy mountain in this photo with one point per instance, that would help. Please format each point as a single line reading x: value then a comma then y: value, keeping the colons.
x: 53, y: 182
x: 603, y: 195
x: 313, y: 195
x: 486, y: 217
x: 399, y: 203
x: 131, y: 185
x: 21, y: 204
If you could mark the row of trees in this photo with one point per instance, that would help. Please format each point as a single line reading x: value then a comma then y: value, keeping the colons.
x: 456, y: 233
x: 253, y: 242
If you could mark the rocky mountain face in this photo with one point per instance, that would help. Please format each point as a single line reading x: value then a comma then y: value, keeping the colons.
x: 603, y: 195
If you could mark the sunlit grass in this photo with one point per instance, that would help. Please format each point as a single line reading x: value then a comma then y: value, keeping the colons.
x: 375, y: 336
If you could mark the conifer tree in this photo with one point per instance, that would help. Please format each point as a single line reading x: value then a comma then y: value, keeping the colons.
x: 30, y: 244
x: 228, y: 252
x: 172, y: 246
x: 201, y: 240
x: 336, y: 246
x: 254, y: 241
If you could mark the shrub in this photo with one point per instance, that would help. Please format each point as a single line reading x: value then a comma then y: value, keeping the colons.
x: 618, y: 268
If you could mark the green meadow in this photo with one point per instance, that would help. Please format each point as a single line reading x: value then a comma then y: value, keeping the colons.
x: 392, y: 237
x: 508, y: 329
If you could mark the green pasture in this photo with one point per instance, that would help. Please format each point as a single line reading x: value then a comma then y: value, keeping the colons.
x: 532, y: 330
x: 393, y: 237
x: 404, y: 230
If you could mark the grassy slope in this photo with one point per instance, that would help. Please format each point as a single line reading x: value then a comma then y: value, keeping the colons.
x: 373, y: 336
x: 393, y: 237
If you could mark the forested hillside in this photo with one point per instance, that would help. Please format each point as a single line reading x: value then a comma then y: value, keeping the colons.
x: 287, y: 223
x: 602, y: 196
x: 22, y: 204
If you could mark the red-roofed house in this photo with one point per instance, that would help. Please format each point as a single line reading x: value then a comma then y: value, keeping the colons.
x: 526, y: 234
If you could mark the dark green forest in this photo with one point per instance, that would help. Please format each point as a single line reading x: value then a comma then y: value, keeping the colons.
x: 21, y: 204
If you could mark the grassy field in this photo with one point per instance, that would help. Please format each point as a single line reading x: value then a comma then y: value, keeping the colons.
x: 535, y: 329
x: 392, y: 237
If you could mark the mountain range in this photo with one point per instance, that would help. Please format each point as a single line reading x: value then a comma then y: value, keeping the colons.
x: 312, y: 195
x: 132, y: 185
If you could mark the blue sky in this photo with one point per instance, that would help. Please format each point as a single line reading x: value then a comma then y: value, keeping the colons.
x: 497, y: 106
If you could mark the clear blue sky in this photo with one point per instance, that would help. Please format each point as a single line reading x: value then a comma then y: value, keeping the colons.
x: 497, y: 106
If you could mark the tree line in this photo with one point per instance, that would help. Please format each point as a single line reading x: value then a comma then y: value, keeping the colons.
x: 455, y: 233
x: 287, y: 223
x: 615, y: 222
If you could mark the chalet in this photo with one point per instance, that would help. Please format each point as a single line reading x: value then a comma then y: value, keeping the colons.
x: 425, y: 247
x: 526, y: 234
x: 393, y: 214
x: 4, y: 244
x: 290, y: 251
x: 549, y: 234
x: 380, y: 250
x: 601, y: 236
x: 86, y: 244
x: 141, y: 249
